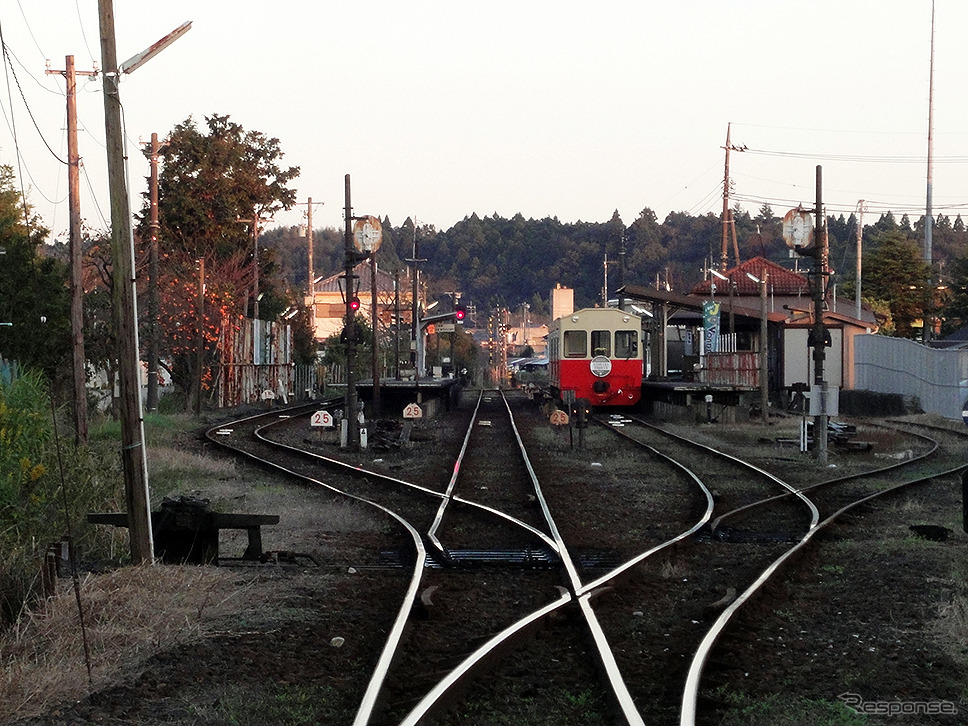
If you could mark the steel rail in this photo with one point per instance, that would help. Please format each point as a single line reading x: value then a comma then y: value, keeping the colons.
x: 449, y: 491
x: 362, y: 471
x: 466, y: 668
x: 836, y: 480
x: 619, y: 688
x: 691, y: 691
x: 814, y: 512
x: 638, y: 559
x: 395, y: 636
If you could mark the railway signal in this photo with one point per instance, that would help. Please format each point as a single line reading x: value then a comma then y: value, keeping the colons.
x: 460, y: 313
x: 355, y: 304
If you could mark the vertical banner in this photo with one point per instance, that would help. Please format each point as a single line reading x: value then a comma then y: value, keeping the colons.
x: 710, y: 326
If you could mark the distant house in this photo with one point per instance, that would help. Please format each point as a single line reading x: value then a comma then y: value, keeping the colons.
x: 674, y: 323
x: 328, y: 301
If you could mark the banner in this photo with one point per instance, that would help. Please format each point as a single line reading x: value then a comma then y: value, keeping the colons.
x: 710, y: 327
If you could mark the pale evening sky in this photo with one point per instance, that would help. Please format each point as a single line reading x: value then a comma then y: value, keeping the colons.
x: 439, y: 109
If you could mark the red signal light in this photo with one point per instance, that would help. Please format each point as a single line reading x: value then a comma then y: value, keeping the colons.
x: 355, y: 304
x: 460, y: 313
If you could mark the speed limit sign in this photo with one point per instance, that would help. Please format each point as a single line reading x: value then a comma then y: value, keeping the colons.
x: 322, y: 418
x: 559, y: 418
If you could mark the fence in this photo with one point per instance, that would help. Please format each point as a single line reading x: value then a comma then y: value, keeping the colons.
x: 8, y: 371
x: 740, y: 369
x: 937, y: 378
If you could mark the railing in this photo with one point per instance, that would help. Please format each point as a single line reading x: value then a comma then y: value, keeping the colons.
x: 741, y: 369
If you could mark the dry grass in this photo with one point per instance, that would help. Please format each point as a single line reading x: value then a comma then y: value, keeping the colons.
x: 951, y: 627
x: 129, y: 614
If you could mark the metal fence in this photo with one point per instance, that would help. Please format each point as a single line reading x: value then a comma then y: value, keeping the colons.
x: 740, y: 369
x: 8, y: 371
x: 937, y: 378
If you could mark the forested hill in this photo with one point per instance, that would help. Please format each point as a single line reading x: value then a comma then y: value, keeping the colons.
x: 496, y: 261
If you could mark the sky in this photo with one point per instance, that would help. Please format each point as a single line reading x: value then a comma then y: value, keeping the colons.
x: 439, y: 109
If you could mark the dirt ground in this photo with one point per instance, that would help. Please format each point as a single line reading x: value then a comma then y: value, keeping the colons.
x: 874, y: 618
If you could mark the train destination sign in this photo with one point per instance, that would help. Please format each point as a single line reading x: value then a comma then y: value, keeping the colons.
x: 600, y: 366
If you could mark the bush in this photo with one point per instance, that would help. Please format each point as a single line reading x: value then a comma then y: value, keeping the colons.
x: 35, y: 469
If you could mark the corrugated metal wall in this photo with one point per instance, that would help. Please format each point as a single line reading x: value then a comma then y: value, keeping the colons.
x: 938, y: 378
x: 255, y: 362
x: 731, y: 369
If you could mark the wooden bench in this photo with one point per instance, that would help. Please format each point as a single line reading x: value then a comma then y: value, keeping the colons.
x: 192, y: 536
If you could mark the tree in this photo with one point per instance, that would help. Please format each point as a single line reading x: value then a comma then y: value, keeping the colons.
x: 34, y: 296
x: 212, y: 188
x: 895, y: 273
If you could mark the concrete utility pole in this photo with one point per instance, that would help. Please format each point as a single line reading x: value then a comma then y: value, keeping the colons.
x: 929, y: 212
x: 133, y: 455
x: 76, y: 252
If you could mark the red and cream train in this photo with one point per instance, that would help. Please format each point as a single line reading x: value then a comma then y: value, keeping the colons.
x: 597, y: 354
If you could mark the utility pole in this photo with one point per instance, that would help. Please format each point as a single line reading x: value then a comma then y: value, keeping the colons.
x: 133, y: 454
x: 375, y: 352
x: 200, y: 341
x: 860, y: 238
x: 153, y: 307
x: 309, y: 245
x: 76, y: 252
x: 396, y: 325
x: 415, y: 310
x: 819, y: 330
x: 255, y: 266
x: 349, y: 329
x: 928, y: 323
x: 727, y: 213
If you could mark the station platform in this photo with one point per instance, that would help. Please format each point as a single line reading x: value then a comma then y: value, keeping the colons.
x: 433, y: 395
x: 686, y: 393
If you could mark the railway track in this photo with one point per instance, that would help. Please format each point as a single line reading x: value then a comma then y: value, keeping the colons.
x: 645, y: 597
x: 828, y: 501
x: 486, y: 500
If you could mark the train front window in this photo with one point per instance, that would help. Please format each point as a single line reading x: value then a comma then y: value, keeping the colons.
x: 626, y: 343
x: 575, y: 344
x: 602, y: 343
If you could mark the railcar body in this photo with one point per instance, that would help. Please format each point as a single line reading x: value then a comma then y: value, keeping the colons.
x: 597, y: 354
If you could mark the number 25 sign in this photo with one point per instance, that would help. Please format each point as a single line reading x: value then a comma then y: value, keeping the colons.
x: 322, y: 418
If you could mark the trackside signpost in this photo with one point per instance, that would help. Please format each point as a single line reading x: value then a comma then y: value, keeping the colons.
x: 412, y: 410
x: 322, y: 418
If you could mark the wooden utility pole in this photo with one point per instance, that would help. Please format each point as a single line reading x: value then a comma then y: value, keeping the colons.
x: 255, y: 265
x: 375, y: 323
x: 76, y: 253
x: 200, y: 349
x: 727, y: 213
x: 133, y: 455
x: 309, y: 245
x: 764, y: 352
x: 153, y: 328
